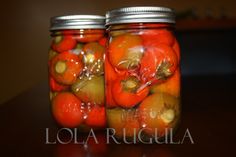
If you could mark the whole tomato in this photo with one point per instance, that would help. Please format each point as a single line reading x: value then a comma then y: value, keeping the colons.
x: 66, y: 109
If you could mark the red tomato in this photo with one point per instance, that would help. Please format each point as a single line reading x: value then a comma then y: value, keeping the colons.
x: 66, y: 109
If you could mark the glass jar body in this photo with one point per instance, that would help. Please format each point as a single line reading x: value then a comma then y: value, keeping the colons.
x: 76, y: 78
x: 142, y: 76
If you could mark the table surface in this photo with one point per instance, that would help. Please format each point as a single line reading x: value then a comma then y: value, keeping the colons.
x: 208, y: 113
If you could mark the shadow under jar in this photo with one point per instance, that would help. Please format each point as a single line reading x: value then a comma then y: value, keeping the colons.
x: 142, y: 73
x: 76, y: 74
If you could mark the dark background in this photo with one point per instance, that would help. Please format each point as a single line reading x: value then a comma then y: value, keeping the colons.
x: 208, y: 52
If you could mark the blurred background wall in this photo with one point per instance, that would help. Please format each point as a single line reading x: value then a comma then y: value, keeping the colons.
x: 25, y: 37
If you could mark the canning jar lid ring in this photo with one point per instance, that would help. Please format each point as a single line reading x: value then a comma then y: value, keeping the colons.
x: 77, y: 22
x: 140, y: 14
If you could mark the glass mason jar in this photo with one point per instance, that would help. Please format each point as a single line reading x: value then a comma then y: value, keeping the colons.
x: 142, y: 73
x: 76, y: 74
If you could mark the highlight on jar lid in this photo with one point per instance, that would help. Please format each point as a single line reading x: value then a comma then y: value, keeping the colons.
x: 77, y: 22
x: 143, y: 14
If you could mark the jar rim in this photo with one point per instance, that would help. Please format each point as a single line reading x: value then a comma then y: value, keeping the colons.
x: 140, y: 14
x: 77, y: 22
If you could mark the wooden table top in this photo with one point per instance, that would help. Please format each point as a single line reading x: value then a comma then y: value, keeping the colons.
x: 208, y: 112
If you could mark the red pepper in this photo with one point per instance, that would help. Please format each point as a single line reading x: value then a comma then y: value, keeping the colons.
x: 161, y: 36
x: 128, y: 91
x: 65, y: 67
x: 63, y: 43
x: 56, y: 87
x: 170, y: 86
x: 158, y: 63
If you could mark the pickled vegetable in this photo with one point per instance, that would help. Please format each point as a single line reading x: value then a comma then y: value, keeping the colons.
x: 90, y: 90
x: 66, y: 109
x: 161, y: 36
x: 51, y: 54
x: 66, y: 67
x: 96, y: 117
x: 56, y: 87
x: 158, y: 63
x: 63, y: 43
x: 128, y: 91
x: 170, y: 86
x: 78, y: 50
x: 125, y: 51
x: 93, y: 57
x: 158, y: 112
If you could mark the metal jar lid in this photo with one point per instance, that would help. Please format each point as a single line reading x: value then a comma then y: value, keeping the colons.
x: 143, y: 14
x: 77, y: 22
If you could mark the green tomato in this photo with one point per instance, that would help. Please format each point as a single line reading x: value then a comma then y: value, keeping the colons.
x: 90, y: 89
